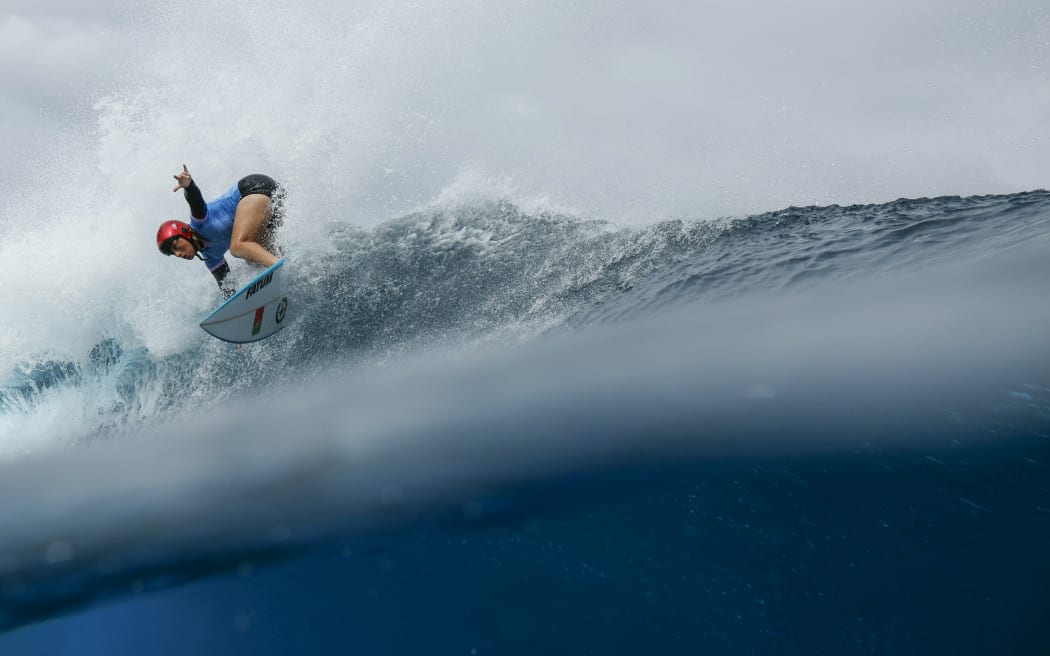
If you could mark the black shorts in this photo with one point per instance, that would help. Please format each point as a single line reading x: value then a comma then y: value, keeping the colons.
x: 257, y: 183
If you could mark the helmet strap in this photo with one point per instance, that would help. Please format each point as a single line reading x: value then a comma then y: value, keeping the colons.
x: 198, y: 244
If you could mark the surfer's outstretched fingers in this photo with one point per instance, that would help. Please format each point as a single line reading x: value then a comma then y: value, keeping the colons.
x: 249, y: 224
x: 184, y: 179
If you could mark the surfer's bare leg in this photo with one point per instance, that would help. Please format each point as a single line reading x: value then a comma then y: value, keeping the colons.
x: 250, y: 226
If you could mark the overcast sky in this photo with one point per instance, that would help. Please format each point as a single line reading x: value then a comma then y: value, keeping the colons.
x: 633, y: 110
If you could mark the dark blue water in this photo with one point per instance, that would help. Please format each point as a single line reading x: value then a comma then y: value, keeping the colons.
x: 820, y: 430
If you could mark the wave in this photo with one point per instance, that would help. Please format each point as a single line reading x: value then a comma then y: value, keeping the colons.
x: 362, y: 453
x: 471, y: 366
x: 489, y: 273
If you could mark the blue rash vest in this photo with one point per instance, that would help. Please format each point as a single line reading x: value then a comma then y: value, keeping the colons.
x: 217, y: 227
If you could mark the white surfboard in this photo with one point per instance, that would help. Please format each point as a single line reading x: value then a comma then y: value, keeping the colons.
x: 256, y: 311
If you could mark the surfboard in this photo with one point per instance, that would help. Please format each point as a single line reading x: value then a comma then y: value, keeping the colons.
x: 257, y: 311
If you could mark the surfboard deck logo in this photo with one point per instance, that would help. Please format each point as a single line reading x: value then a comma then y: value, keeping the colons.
x: 257, y: 311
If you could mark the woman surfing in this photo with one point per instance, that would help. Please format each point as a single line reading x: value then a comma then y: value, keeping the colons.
x: 242, y: 220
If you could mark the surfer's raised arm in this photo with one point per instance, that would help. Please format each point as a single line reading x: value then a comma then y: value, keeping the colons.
x: 198, y: 208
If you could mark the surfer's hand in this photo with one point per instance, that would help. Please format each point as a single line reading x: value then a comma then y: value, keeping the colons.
x: 184, y: 178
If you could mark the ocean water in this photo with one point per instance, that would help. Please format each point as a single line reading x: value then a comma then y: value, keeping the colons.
x: 817, y: 430
x: 584, y: 356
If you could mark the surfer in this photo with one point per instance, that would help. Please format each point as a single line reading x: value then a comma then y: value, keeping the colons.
x: 242, y: 220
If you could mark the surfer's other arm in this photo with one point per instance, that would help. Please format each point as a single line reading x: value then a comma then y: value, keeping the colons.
x: 221, y: 273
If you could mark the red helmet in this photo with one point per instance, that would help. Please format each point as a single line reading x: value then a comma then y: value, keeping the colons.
x: 169, y: 230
